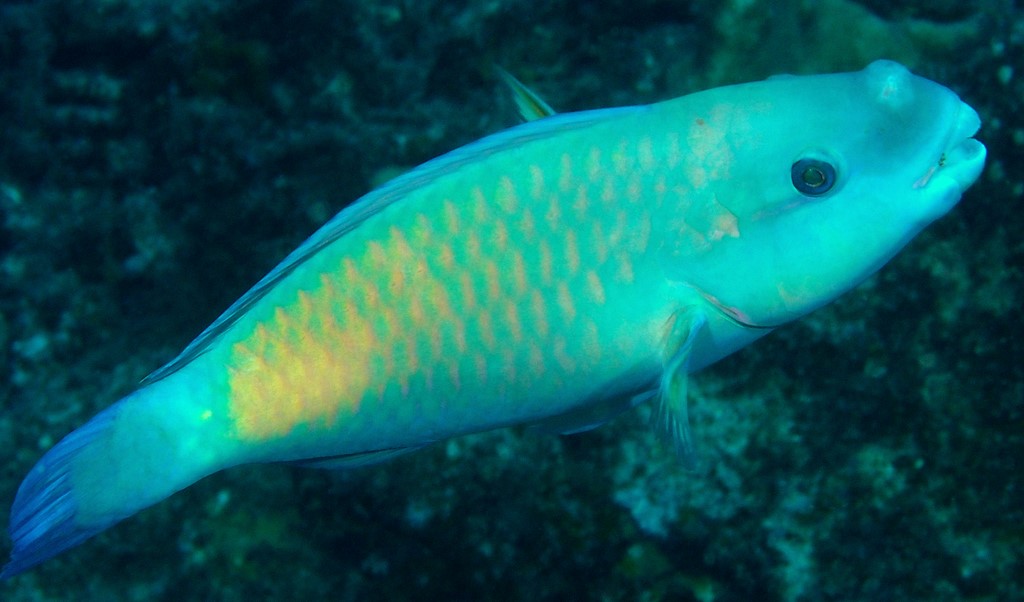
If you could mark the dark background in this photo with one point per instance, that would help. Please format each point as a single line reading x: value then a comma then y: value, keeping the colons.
x: 157, y: 158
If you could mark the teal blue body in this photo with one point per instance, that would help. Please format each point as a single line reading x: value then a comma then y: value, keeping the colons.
x: 555, y: 274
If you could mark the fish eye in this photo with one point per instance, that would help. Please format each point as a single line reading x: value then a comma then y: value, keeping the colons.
x: 813, y: 177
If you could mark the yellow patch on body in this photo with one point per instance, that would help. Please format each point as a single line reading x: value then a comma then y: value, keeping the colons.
x: 454, y: 374
x: 537, y: 361
x: 422, y: 231
x: 398, y: 243
x: 446, y: 256
x: 500, y: 238
x: 572, y: 252
x: 622, y: 160
x: 479, y: 205
x: 565, y: 175
x: 377, y: 255
x: 468, y: 292
x: 634, y: 188
x: 599, y: 242
x: 608, y: 190
x: 554, y: 213
x: 539, y: 313
x: 396, y: 282
x: 451, y: 217
x: 536, y: 182
x: 473, y: 246
x: 382, y: 317
x: 545, y: 262
x: 595, y: 288
x: 582, y: 201
x: 645, y: 153
x: 518, y: 273
x: 527, y: 225
x: 280, y: 377
x: 505, y: 197
x: 565, y: 361
x: 485, y: 328
x: 492, y: 280
x: 515, y: 327
x: 565, y: 302
x: 458, y: 328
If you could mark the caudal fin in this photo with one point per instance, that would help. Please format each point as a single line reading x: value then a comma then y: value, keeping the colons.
x: 43, y: 518
x: 130, y: 456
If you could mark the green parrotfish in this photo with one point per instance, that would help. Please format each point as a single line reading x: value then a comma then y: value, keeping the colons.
x: 556, y: 273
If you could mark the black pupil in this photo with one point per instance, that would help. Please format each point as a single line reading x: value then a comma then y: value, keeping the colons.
x: 813, y: 177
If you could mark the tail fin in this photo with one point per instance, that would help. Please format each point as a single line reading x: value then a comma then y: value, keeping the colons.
x: 43, y: 518
x: 128, y: 457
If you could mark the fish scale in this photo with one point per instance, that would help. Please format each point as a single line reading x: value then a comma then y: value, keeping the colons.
x: 555, y: 274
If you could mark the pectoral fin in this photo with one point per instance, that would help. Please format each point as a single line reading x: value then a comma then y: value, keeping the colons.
x: 670, y: 416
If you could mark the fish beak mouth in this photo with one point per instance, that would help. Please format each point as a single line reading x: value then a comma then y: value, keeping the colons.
x: 962, y: 157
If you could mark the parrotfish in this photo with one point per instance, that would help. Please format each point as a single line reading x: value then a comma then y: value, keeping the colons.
x: 555, y: 274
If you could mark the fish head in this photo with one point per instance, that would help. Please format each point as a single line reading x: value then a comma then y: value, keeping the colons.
x: 815, y: 182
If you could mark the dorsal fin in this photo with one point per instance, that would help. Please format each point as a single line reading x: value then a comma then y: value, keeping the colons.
x: 374, y: 202
x: 531, y: 106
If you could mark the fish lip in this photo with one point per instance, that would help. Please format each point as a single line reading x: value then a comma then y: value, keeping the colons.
x: 965, y: 126
x: 961, y: 156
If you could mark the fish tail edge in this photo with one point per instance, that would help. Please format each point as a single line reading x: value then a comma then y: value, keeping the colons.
x: 43, y: 517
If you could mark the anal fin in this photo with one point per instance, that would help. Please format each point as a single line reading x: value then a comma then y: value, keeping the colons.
x: 346, y: 461
x: 590, y: 416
